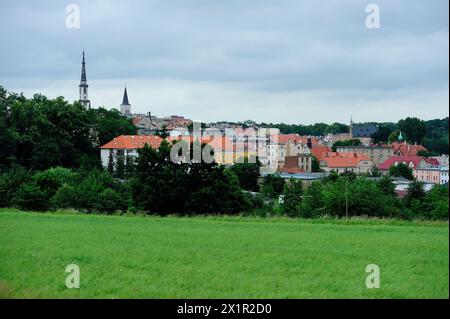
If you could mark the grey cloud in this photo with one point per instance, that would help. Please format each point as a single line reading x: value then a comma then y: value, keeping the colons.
x: 266, y: 46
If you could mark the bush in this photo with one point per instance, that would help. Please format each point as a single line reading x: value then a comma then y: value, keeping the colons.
x: 64, y: 197
x: 110, y: 201
x: 292, y: 197
x: 50, y: 180
x: 436, y: 203
x: 29, y: 196
x: 10, y: 182
x: 364, y: 198
x: 312, y: 204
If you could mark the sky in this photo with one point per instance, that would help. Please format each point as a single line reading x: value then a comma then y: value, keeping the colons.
x: 291, y: 61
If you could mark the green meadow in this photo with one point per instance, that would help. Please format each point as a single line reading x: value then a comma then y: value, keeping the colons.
x: 219, y: 257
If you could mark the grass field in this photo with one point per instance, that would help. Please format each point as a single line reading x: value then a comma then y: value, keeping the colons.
x: 223, y: 257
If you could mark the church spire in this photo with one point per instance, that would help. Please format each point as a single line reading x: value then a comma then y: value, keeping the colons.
x: 125, y: 97
x: 83, y: 70
x: 83, y: 87
x: 125, y: 107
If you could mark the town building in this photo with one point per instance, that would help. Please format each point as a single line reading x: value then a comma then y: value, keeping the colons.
x: 362, y: 132
x: 413, y: 162
x: 289, y: 153
x: 405, y: 149
x: 145, y: 124
x: 346, y: 162
x: 127, y: 145
x: 443, y: 179
x: 443, y: 159
x: 428, y: 174
x: 377, y: 153
x: 179, y: 131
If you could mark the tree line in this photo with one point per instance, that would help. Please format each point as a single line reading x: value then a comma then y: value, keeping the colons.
x: 40, y: 133
x: 346, y: 195
x: 49, y: 159
x: 433, y: 134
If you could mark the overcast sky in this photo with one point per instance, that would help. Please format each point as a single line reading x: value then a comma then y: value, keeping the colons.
x: 274, y: 61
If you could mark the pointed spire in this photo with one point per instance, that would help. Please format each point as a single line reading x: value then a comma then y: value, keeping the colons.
x: 125, y: 97
x: 83, y: 70
x: 400, y: 136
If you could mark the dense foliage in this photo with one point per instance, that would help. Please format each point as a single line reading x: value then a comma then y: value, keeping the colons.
x: 163, y: 187
x: 433, y: 134
x: 49, y: 159
x: 40, y: 133
x: 360, y: 196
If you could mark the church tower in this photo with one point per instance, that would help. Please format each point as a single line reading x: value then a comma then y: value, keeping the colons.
x: 125, y: 107
x: 84, y: 100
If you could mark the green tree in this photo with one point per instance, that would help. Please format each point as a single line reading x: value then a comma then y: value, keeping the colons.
x: 120, y: 167
x: 111, y: 163
x: 315, y: 165
x: 29, y: 196
x: 394, y: 136
x: 386, y: 186
x: 382, y: 135
x: 401, y: 170
x: 273, y: 185
x: 436, y: 203
x: 247, y: 174
x: 129, y: 166
x: 375, y: 172
x: 10, y: 182
x: 414, y: 128
x: 415, y: 195
x: 292, y: 197
x: 312, y: 204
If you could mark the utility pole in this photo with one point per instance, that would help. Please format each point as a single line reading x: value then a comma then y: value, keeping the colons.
x: 346, y: 199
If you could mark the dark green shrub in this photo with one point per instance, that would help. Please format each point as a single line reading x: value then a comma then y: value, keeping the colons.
x: 10, y: 182
x: 29, y: 196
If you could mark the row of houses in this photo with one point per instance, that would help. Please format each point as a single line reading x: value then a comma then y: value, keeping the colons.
x: 291, y: 154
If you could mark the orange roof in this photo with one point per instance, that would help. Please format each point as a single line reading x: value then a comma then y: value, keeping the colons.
x: 333, y: 159
x: 133, y: 142
x: 319, y: 151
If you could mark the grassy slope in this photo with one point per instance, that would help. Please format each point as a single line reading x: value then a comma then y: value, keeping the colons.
x: 172, y: 257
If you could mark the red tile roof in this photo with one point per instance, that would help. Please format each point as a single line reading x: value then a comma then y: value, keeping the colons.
x: 415, y: 160
x: 133, y: 142
x: 319, y: 151
x: 334, y: 159
x: 406, y: 149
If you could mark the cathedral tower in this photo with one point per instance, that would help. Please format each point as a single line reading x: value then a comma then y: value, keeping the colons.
x: 84, y: 99
x: 125, y: 107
